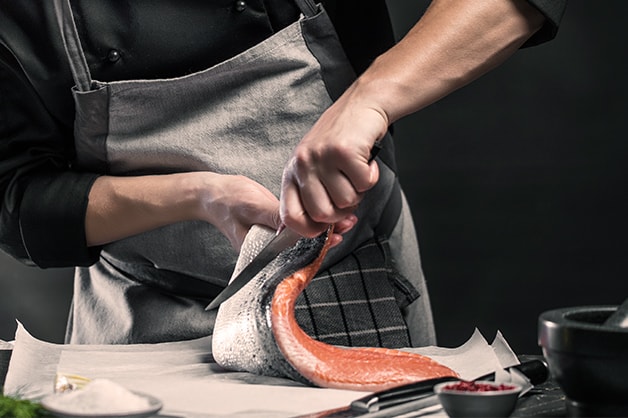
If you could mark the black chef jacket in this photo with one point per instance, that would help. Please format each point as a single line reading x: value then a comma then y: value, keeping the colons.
x: 43, y: 197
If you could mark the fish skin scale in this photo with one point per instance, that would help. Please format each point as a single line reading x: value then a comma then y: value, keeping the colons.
x: 281, y: 348
x: 242, y: 338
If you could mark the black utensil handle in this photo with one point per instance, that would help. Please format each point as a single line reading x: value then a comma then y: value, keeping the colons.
x: 535, y: 370
x: 397, y: 395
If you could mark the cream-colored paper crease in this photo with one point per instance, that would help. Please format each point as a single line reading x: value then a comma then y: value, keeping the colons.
x: 189, y: 384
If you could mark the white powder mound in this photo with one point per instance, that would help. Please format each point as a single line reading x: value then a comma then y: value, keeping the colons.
x: 100, y: 396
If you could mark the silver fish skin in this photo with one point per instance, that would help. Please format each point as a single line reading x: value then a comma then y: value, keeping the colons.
x: 243, y: 338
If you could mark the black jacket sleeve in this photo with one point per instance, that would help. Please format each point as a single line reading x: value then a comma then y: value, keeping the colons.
x: 553, y: 11
x: 43, y: 198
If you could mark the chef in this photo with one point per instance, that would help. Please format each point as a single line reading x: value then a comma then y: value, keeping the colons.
x: 140, y: 140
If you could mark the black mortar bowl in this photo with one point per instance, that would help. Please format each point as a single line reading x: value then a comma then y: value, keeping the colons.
x: 587, y: 358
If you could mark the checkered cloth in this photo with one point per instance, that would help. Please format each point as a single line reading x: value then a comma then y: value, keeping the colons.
x: 358, y: 301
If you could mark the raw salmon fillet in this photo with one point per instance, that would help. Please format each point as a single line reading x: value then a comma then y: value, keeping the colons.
x: 256, y: 331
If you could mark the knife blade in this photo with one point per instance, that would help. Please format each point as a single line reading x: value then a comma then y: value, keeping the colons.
x: 284, y: 239
x: 418, y: 396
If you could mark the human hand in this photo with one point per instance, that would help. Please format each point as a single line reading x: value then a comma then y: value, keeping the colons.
x: 329, y: 171
x: 234, y: 203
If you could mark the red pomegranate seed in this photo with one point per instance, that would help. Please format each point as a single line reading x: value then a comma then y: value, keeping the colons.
x: 477, y: 387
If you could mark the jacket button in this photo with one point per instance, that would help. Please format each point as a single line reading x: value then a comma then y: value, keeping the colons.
x: 240, y: 5
x: 113, y: 55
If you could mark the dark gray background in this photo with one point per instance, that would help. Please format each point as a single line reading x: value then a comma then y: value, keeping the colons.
x: 516, y: 183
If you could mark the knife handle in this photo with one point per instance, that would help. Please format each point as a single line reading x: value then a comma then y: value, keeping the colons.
x: 535, y: 370
x: 397, y: 395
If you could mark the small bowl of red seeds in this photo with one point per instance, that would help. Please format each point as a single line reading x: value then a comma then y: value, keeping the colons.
x: 478, y: 399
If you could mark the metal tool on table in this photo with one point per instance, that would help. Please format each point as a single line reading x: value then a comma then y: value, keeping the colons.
x: 620, y: 317
x: 419, y: 396
x: 284, y: 239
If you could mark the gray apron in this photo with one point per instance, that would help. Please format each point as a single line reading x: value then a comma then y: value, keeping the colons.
x: 243, y: 116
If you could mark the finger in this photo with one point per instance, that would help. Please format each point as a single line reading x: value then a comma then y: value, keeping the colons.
x: 317, y: 202
x: 293, y: 213
x: 264, y: 210
x: 306, y: 200
x: 316, y: 199
x: 345, y: 225
x: 374, y: 173
x: 340, y: 190
x: 359, y: 171
x: 270, y: 218
x: 334, y: 240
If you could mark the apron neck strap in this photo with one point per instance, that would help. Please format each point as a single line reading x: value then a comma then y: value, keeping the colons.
x: 308, y: 7
x: 72, y: 45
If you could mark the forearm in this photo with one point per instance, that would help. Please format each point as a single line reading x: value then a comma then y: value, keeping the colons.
x: 120, y: 207
x: 455, y: 42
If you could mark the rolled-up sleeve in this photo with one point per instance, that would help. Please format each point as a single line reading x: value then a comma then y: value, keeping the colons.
x: 43, y: 200
x: 553, y: 10
x: 51, y: 220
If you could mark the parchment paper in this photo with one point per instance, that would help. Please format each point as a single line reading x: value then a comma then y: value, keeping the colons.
x: 190, y: 384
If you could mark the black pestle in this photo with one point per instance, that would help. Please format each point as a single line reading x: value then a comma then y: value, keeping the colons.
x: 620, y: 317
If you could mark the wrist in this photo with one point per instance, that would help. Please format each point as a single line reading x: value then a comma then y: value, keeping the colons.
x: 390, y: 89
x: 196, y: 194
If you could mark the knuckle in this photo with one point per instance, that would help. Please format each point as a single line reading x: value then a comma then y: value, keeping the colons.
x: 346, y: 202
x: 320, y: 215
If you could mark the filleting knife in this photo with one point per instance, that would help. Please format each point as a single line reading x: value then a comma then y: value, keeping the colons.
x: 284, y: 239
x: 419, y: 396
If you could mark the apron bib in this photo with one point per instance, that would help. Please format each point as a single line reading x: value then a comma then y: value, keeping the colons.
x: 243, y: 116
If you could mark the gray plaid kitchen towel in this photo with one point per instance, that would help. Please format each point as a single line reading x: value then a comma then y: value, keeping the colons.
x: 358, y: 301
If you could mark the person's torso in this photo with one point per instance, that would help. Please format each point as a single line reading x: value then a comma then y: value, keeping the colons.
x: 163, y: 38
x: 240, y: 116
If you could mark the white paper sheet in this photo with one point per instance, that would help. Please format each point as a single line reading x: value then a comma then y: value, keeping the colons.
x: 184, y: 377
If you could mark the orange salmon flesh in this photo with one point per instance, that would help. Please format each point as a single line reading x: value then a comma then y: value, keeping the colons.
x: 354, y: 368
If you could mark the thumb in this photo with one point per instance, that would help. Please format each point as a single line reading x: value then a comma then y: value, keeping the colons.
x: 268, y: 216
x: 373, y: 173
x: 273, y: 219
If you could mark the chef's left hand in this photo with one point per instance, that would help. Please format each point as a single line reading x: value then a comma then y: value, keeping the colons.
x: 329, y: 171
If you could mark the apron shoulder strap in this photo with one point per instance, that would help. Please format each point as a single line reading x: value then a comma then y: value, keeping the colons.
x: 307, y: 7
x: 72, y: 45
